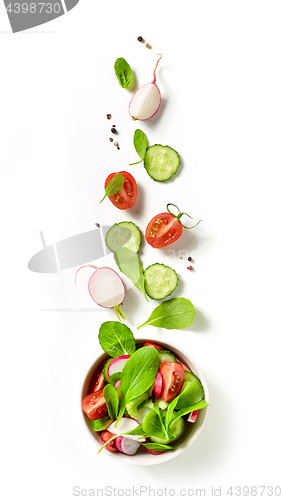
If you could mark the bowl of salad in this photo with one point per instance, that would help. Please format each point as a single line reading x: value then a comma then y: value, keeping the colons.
x: 143, y: 402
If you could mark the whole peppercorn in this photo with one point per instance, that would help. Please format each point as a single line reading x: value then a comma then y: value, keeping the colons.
x: 118, y: 147
x: 147, y: 45
x: 115, y: 143
x: 140, y: 38
x: 108, y: 116
x: 111, y: 140
x: 113, y: 130
x: 190, y: 258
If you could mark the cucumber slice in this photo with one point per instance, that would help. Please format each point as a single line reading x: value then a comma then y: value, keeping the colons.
x: 132, y: 407
x: 161, y: 162
x: 177, y: 427
x: 105, y: 370
x: 119, y: 236
x: 166, y: 357
x: 160, y: 281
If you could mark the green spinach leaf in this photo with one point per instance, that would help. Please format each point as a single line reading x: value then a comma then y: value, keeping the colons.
x: 158, y: 446
x: 140, y: 143
x: 198, y: 406
x: 177, y: 313
x: 112, y: 400
x: 137, y: 376
x: 130, y: 265
x: 114, y: 186
x: 123, y: 72
x: 115, y: 377
x: 116, y: 339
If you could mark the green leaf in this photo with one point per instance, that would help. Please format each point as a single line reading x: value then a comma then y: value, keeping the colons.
x: 169, y: 412
x: 112, y: 400
x: 192, y: 392
x: 130, y: 265
x: 140, y: 143
x: 137, y: 376
x: 152, y: 426
x: 115, y: 377
x: 101, y: 424
x: 158, y: 446
x: 136, y: 431
x: 175, y: 313
x: 116, y: 339
x: 123, y: 72
x: 198, y: 406
x: 114, y: 185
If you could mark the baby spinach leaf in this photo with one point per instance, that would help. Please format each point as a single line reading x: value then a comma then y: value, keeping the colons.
x: 112, y: 400
x: 169, y: 412
x: 136, y: 431
x: 175, y: 313
x: 152, y: 426
x: 192, y: 392
x: 116, y: 339
x: 115, y: 377
x: 158, y: 446
x: 114, y: 185
x: 140, y: 143
x: 130, y: 265
x: 198, y: 406
x: 137, y: 376
x: 123, y: 72
x: 101, y: 423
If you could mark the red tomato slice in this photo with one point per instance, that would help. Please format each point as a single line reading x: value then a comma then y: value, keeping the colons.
x: 163, y: 230
x: 153, y: 452
x: 126, y: 198
x: 94, y: 405
x: 145, y: 344
x: 172, y: 380
x: 97, y: 382
x: 105, y: 436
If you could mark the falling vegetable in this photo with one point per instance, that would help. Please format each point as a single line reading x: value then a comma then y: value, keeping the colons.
x: 146, y: 101
x: 106, y: 288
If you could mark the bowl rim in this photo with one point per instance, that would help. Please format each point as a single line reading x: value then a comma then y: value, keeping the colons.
x: 148, y: 459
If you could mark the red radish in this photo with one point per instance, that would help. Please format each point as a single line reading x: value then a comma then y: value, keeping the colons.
x: 126, y: 425
x: 117, y: 365
x: 105, y: 436
x: 193, y: 416
x: 106, y: 288
x: 157, y: 386
x: 146, y: 101
x: 126, y: 445
x: 117, y: 386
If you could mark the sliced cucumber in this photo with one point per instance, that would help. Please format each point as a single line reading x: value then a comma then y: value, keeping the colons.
x: 105, y: 370
x: 161, y: 162
x: 160, y: 281
x: 177, y: 427
x: 132, y: 407
x: 162, y: 404
x: 166, y: 357
x: 124, y: 234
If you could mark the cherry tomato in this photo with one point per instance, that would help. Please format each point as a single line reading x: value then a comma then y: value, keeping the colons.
x: 94, y: 405
x: 165, y: 228
x: 186, y: 368
x: 126, y: 198
x: 145, y: 344
x: 97, y: 382
x: 105, y: 436
x: 173, y: 377
x: 153, y: 452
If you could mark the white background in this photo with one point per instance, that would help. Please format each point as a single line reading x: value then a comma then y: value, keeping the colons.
x: 221, y: 81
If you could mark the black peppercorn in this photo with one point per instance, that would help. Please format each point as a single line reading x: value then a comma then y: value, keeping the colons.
x: 113, y: 130
x: 140, y: 38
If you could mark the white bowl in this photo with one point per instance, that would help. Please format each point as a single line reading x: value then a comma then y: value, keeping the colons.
x: 192, y: 430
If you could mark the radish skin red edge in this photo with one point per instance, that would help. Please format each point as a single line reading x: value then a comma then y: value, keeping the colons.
x: 106, y: 288
x: 157, y: 386
x: 146, y: 101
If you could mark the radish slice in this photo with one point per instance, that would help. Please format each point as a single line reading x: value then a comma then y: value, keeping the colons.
x: 157, y: 386
x: 126, y: 425
x: 117, y: 384
x: 106, y: 288
x: 117, y: 365
x: 146, y: 101
x: 193, y: 416
x: 127, y: 446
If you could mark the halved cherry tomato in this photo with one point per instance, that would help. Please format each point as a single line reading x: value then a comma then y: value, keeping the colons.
x: 173, y: 377
x: 145, y: 344
x: 125, y: 198
x: 165, y: 228
x: 105, y: 436
x: 97, y: 382
x: 186, y: 368
x: 94, y: 405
